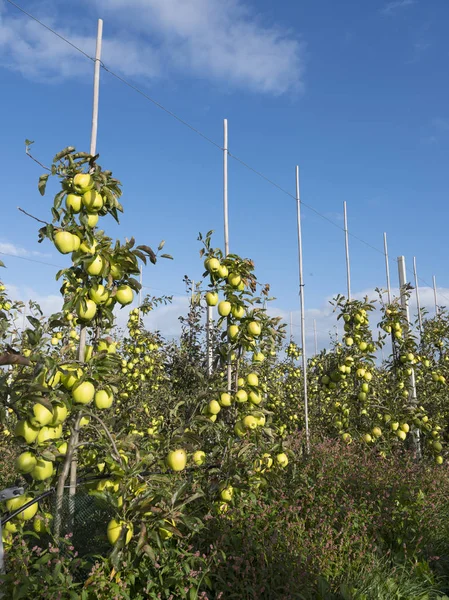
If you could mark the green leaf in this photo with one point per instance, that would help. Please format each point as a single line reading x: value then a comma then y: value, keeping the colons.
x: 63, y: 153
x: 161, y: 245
x: 2, y: 264
x: 167, y: 256
x: 42, y: 183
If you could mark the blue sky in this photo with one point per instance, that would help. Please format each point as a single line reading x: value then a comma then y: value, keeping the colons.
x: 354, y: 92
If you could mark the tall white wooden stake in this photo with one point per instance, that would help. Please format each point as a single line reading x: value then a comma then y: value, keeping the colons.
x: 315, y: 336
x: 435, y: 296
x: 225, y: 186
x: 418, y: 304
x: 303, y: 326
x: 82, y: 344
x: 348, y: 267
x: 226, y: 218
x: 93, y: 142
x: 387, y: 269
x: 412, y: 385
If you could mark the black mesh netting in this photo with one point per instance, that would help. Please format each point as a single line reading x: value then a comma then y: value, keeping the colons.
x: 86, y: 517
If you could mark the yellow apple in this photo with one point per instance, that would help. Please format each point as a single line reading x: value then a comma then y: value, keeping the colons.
x: 223, y: 271
x: 26, y: 430
x: 86, y: 309
x: 233, y: 331
x: 124, y: 295
x: 214, y: 407
x: 43, y: 470
x: 241, y: 396
x: 226, y: 493
x: 177, y: 459
x: 64, y: 242
x: 282, y: 459
x: 40, y: 415
x: 211, y: 298
x: 224, y: 308
x: 73, y: 202
x: 254, y: 329
x: 225, y: 399
x: 99, y: 294
x: 238, y: 311
x: 83, y: 182
x: 212, y: 265
x: 83, y: 393
x: 252, y: 379
x: 25, y: 462
x: 115, y: 528
x: 103, y: 399
x: 199, y: 457
x: 93, y: 201
x: 250, y: 422
x: 234, y: 279
x: 94, y: 266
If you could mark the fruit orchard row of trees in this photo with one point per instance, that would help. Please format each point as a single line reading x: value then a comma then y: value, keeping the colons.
x: 151, y: 434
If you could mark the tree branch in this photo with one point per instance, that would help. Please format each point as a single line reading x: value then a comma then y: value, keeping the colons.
x: 32, y: 216
x: 36, y: 161
x: 89, y: 414
x: 14, y: 359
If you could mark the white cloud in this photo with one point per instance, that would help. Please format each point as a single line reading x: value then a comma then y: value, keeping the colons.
x: 14, y: 250
x: 393, y: 7
x: 218, y: 39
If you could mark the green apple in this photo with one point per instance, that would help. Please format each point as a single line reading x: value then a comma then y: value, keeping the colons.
x: 43, y: 470
x: 70, y: 376
x: 26, y: 430
x: 212, y: 265
x: 199, y: 457
x: 115, y: 528
x: 83, y: 393
x: 94, y: 266
x: 62, y: 448
x: 86, y: 309
x: 241, y: 396
x: 73, y: 203
x: 177, y: 459
x: 213, y: 407
x: 92, y: 219
x: 64, y: 242
x: 124, y: 295
x: 99, y: 294
x: 40, y: 415
x: 255, y: 398
x: 83, y: 182
x: 211, y: 298
x: 234, y: 279
x: 225, y: 399
x: 226, y: 493
x: 282, y: 459
x: 116, y: 271
x: 93, y: 201
x: 238, y: 311
x: 233, y: 331
x: 19, y: 501
x: 223, y: 271
x: 250, y: 422
x: 258, y: 357
x: 103, y: 399
x: 254, y: 329
x: 252, y: 379
x: 239, y: 429
x: 25, y: 462
x: 224, y: 308
x: 44, y: 435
